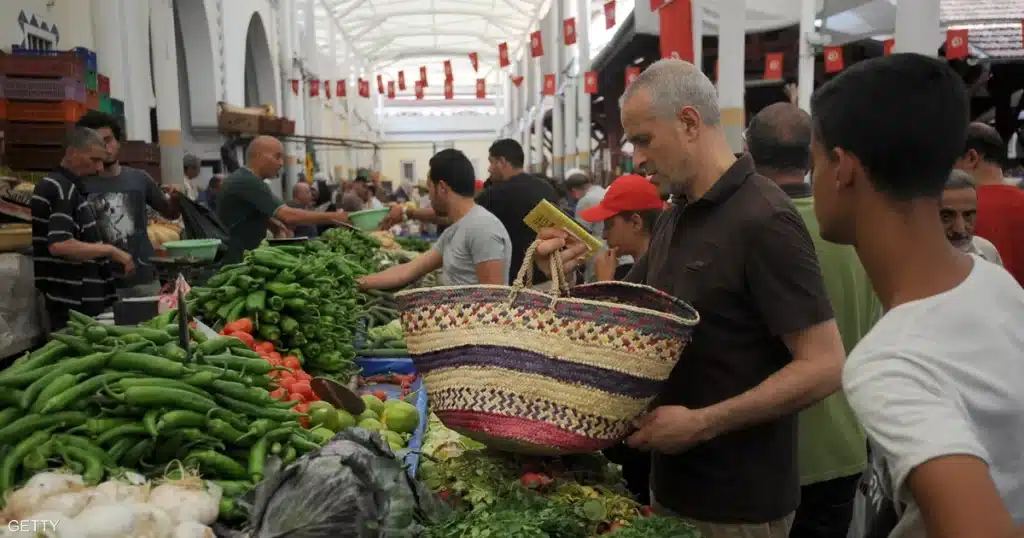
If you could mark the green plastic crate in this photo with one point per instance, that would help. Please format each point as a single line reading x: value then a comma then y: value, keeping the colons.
x: 117, y: 107
x: 105, y: 105
x: 91, y: 80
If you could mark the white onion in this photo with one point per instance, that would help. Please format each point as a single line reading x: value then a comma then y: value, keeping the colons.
x: 27, y: 500
x: 192, y: 529
x: 188, y: 500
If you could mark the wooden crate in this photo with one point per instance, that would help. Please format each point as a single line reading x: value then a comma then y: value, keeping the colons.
x: 59, y: 65
x: 36, y: 134
x: 136, y: 151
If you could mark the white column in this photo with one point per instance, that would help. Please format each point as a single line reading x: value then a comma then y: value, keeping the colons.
x: 918, y: 28
x: 286, y: 56
x: 109, y: 44
x: 697, y: 21
x: 331, y: 74
x: 557, y: 63
x: 732, y: 23
x: 583, y: 101
x: 168, y: 102
x: 529, y: 89
x: 808, y: 13
x: 133, y: 27
x: 312, y: 64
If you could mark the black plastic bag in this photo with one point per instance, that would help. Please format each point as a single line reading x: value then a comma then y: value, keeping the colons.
x: 201, y: 222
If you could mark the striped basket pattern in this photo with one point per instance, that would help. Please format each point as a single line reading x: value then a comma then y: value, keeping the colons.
x: 540, y: 373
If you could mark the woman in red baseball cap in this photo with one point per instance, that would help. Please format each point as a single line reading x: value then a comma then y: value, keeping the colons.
x: 629, y: 209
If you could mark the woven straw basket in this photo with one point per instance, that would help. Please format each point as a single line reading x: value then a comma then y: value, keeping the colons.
x: 544, y: 373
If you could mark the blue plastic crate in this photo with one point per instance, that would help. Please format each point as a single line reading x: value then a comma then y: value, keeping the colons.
x: 372, y: 367
x: 88, y: 56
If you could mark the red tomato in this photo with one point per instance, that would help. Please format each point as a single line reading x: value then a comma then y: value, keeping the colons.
x: 244, y: 337
x: 291, y: 361
x: 301, y: 407
x: 264, y: 348
x: 275, y: 355
x: 302, y: 375
x: 275, y: 374
x: 286, y: 382
x: 302, y: 387
x: 295, y: 397
x: 240, y: 325
x: 279, y: 393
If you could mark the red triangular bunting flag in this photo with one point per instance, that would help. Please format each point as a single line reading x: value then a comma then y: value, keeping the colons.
x: 475, y: 60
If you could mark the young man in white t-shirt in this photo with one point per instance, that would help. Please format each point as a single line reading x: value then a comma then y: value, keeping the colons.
x: 938, y: 383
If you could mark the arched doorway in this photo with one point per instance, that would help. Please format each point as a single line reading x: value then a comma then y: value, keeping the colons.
x: 259, y: 65
x: 196, y: 71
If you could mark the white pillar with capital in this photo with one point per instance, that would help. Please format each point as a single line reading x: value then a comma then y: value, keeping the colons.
x: 583, y: 99
x: 732, y: 25
x: 805, y: 68
x: 168, y: 103
x: 289, y: 104
x: 557, y: 63
x: 918, y: 27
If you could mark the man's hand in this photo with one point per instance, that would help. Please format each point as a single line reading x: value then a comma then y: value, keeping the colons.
x: 605, y: 264
x: 554, y: 240
x: 341, y: 217
x: 395, y: 216
x: 125, y: 259
x: 671, y: 429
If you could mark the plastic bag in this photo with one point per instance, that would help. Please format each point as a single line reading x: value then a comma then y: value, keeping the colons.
x: 353, y: 487
x: 169, y: 299
x: 201, y: 222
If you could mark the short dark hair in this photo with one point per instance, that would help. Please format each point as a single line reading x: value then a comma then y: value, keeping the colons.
x: 649, y: 217
x: 905, y: 118
x: 508, y: 149
x: 577, y: 181
x: 779, y: 138
x: 82, y: 138
x: 985, y: 140
x: 453, y: 168
x: 97, y: 120
x: 361, y: 179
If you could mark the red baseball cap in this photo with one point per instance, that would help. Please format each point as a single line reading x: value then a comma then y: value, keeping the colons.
x: 627, y: 193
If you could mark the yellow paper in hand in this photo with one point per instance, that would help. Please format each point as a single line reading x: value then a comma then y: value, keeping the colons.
x: 547, y: 215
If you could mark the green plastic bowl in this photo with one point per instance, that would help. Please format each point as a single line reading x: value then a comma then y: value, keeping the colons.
x: 368, y: 219
x: 204, y: 249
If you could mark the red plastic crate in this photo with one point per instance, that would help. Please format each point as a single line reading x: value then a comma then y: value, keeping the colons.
x: 42, y: 89
x: 63, y: 111
x: 64, y: 64
x: 103, y: 84
x: 92, y: 100
x: 36, y: 134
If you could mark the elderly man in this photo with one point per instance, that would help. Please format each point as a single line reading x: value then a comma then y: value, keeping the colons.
x: 246, y: 205
x: 723, y: 431
x: 71, y: 265
x: 832, y: 448
x: 958, y: 210
x: 302, y: 198
x: 191, y: 164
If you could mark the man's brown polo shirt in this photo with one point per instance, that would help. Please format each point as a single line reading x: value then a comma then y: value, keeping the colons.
x: 743, y: 258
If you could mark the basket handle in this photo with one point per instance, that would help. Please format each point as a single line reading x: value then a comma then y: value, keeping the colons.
x: 559, y: 284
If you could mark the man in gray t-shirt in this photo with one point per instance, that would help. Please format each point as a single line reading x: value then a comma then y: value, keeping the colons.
x: 474, y: 249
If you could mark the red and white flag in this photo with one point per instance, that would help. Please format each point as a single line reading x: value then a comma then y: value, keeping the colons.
x: 475, y: 60
x: 503, y: 60
x: 419, y: 90
x: 314, y: 88
x: 401, y: 80
x: 340, y: 89
x: 391, y: 89
x: 449, y: 90
x: 609, y: 14
x: 549, y: 84
x: 956, y: 44
x: 536, y: 45
x: 590, y: 82
x: 569, y: 31
x: 834, y: 61
x: 380, y: 84
x: 773, y: 62
x: 423, y: 75
x: 631, y: 74
x: 448, y: 70
x: 481, y: 88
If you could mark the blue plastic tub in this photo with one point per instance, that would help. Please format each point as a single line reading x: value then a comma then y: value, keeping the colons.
x: 375, y: 366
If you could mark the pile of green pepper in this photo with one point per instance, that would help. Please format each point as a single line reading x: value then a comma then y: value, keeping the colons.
x: 302, y: 298
x: 101, y: 399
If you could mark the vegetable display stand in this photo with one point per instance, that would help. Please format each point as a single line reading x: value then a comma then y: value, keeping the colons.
x: 373, y: 367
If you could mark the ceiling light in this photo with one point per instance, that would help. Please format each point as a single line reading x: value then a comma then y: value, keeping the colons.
x: 638, y: 61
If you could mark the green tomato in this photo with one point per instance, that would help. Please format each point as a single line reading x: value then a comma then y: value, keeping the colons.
x: 326, y: 418
x: 323, y: 435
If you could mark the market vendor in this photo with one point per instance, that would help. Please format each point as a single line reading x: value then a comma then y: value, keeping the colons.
x: 246, y: 205
x: 71, y: 261
x: 475, y: 249
x: 722, y: 433
x: 123, y: 197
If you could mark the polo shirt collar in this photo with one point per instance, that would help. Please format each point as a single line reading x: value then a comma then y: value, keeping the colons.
x: 726, y: 185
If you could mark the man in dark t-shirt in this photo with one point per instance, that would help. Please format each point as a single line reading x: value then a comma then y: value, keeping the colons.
x: 246, y: 204
x: 512, y: 194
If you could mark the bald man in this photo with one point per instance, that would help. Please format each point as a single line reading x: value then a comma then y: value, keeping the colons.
x: 1000, y: 216
x: 832, y: 448
x: 247, y: 207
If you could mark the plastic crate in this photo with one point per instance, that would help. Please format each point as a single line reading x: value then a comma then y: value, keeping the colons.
x: 36, y: 134
x: 57, y: 112
x: 58, y: 65
x: 105, y: 105
x: 270, y: 126
x: 136, y: 151
x: 371, y: 367
x: 86, y: 56
x: 287, y: 127
x: 91, y: 80
x: 33, y: 157
x: 103, y: 84
x: 117, y: 107
x: 92, y: 100
x: 42, y: 89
